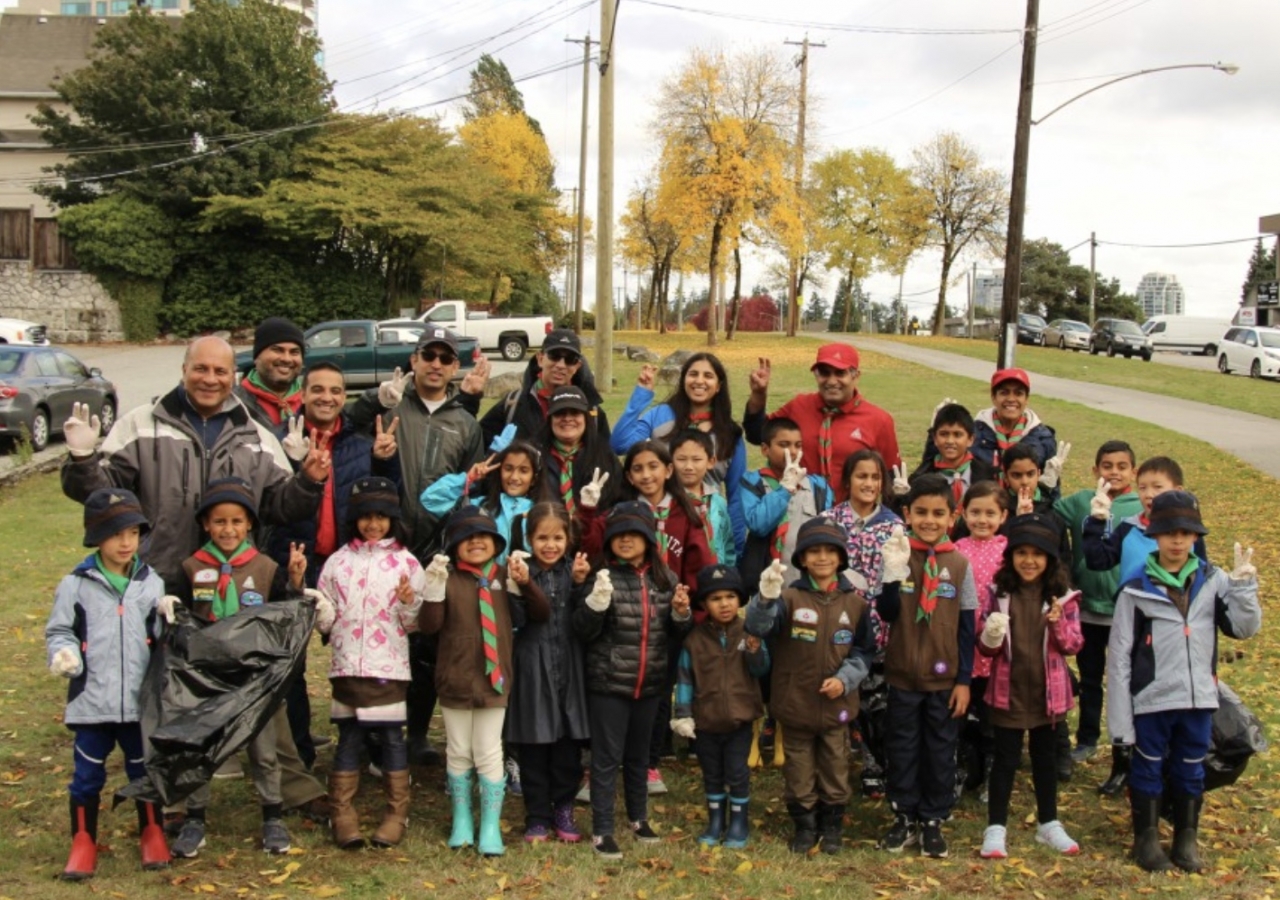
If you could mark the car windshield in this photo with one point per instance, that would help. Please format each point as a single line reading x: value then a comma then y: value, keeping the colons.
x: 1074, y: 326
x: 1270, y: 339
x: 1121, y: 326
x: 1028, y: 319
x: 10, y: 361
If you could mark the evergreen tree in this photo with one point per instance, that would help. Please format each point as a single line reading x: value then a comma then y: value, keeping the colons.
x: 1262, y: 268
x: 816, y: 311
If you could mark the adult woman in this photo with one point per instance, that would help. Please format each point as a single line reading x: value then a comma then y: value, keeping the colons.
x: 574, y: 450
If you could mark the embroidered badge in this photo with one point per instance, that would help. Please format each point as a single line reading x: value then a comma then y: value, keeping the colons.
x: 248, y: 583
x: 907, y: 587
x: 251, y: 598
x: 809, y: 635
x: 742, y: 645
x: 945, y: 574
x: 843, y: 636
x: 947, y: 591
x: 844, y: 618
x: 206, y: 576
x: 844, y: 715
x: 940, y: 667
x: 207, y: 596
x: 805, y: 616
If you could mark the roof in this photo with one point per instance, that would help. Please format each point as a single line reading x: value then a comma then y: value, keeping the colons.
x: 34, y: 50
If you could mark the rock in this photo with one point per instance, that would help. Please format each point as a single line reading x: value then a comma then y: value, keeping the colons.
x: 587, y: 342
x: 669, y: 374
x: 677, y: 359
x: 642, y: 354
x: 501, y: 385
x: 621, y: 349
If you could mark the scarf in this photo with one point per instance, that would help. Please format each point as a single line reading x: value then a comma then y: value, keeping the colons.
x: 227, y: 602
x: 279, y: 409
x: 696, y: 418
x: 488, y: 622
x: 813, y: 583
x: 543, y: 393
x: 661, y: 513
x: 824, y: 442
x: 955, y: 475
x: 565, y: 457
x: 119, y: 583
x: 704, y: 507
x: 1176, y: 580
x: 784, y: 524
x: 929, y: 588
x: 1007, y: 436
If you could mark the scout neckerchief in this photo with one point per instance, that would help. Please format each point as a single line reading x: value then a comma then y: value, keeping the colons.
x: 704, y: 507
x: 1160, y: 575
x: 661, y: 513
x: 813, y: 583
x: 488, y: 621
x: 1007, y: 435
x: 279, y: 408
x: 824, y: 437
x: 227, y: 598
x: 1144, y: 520
x: 564, y: 455
x: 543, y: 393
x: 955, y: 474
x: 119, y: 583
x: 929, y: 588
x: 784, y: 524
x: 696, y: 418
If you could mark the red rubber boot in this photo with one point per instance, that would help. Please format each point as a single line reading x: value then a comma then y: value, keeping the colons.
x: 83, y: 861
x: 151, y: 842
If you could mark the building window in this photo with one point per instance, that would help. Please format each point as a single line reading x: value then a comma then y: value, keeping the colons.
x: 77, y: 9
x: 120, y: 7
x: 100, y: 8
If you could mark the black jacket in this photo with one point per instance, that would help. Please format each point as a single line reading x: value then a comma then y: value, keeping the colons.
x: 522, y: 408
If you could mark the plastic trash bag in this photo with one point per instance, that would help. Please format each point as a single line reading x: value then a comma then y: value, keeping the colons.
x: 1237, y: 735
x: 210, y: 687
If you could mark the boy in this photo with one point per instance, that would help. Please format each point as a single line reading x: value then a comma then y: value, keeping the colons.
x: 952, y: 436
x: 693, y: 456
x: 718, y: 699
x: 99, y: 637
x: 1163, y: 652
x: 223, y: 576
x: 929, y: 600
x: 822, y: 649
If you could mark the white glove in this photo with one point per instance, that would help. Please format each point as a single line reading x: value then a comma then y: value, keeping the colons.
x: 517, y: 561
x: 437, y: 576
x: 771, y: 581
x: 80, y: 431
x: 589, y: 496
x: 1244, y: 569
x: 296, y: 444
x: 946, y: 401
x: 326, y: 612
x: 602, y: 593
x: 502, y: 440
x: 391, y: 391
x: 65, y: 663
x: 684, y: 728
x: 166, y: 605
x: 897, y: 556
x: 1052, y: 473
x: 793, y: 473
x: 901, y: 487
x: 1100, y: 505
x: 996, y: 628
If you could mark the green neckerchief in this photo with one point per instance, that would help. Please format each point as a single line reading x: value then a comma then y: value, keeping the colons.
x: 813, y: 583
x: 294, y: 388
x: 226, y: 597
x: 119, y: 583
x: 1160, y: 575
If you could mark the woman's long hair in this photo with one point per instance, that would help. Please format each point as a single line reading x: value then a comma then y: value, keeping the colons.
x: 1053, y: 583
x: 723, y: 428
x: 851, y: 462
x: 593, y: 453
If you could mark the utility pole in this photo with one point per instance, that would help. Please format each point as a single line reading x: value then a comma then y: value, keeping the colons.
x: 604, y: 206
x: 580, y: 196
x: 569, y: 268
x: 973, y: 296
x: 1093, y: 277
x: 793, y: 273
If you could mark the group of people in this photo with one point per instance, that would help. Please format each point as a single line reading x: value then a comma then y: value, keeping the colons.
x: 555, y: 599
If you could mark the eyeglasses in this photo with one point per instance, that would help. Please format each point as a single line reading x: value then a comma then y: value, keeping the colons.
x: 831, y: 372
x: 568, y: 357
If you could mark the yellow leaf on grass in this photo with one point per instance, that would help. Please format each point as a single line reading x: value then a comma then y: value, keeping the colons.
x: 289, y: 869
x: 743, y: 867
x: 327, y: 890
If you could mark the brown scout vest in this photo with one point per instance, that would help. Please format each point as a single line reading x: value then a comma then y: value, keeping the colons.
x: 253, y: 582
x: 726, y: 695
x: 925, y: 656
x: 460, y: 678
x: 819, y: 632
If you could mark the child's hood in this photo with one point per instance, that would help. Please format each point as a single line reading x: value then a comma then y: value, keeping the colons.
x: 988, y: 417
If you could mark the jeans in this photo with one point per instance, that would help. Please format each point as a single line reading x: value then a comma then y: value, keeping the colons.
x: 394, y: 755
x: 723, y: 758
x: 1092, y: 662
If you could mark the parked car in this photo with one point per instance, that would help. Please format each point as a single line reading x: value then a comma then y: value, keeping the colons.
x: 510, y: 336
x: 1031, y: 329
x: 38, y: 386
x: 1064, y: 333
x: 20, y: 331
x: 1186, y: 334
x: 1252, y: 349
x: 1119, y: 336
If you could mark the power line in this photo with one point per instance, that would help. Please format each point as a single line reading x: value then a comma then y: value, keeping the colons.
x: 827, y: 26
x: 1248, y: 240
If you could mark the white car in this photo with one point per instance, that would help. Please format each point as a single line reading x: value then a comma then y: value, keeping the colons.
x: 20, y: 331
x: 1064, y: 333
x: 1250, y: 349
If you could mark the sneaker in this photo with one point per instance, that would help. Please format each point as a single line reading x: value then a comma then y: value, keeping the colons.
x: 1052, y: 834
x: 605, y: 846
x: 656, y: 784
x: 584, y: 792
x: 902, y: 834
x: 932, y: 843
x: 189, y: 840
x: 566, y: 828
x: 1083, y: 753
x: 643, y: 833
x: 275, y: 837
x: 513, y: 778
x: 173, y: 824
x: 993, y: 843
x: 536, y: 834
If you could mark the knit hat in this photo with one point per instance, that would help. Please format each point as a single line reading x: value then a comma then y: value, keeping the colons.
x: 633, y: 517
x: 719, y: 578
x: 274, y: 331
x: 821, y: 532
x: 837, y: 356
x: 373, y: 495
x: 109, y: 511
x: 562, y: 339
x: 1037, y: 530
x: 467, y: 522
x: 434, y: 334
x: 568, y: 397
x: 229, y: 490
x: 1175, y: 511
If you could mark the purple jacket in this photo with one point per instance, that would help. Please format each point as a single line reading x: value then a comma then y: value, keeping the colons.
x: 1061, y: 639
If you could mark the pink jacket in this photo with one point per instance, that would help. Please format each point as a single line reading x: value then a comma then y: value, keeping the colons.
x: 1061, y: 639
x: 985, y: 559
x: 369, y: 635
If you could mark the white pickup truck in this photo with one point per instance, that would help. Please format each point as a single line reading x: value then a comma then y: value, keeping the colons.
x: 510, y: 336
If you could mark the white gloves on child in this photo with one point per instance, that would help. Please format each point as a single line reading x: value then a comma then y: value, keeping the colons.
x: 1244, y: 569
x: 296, y: 444
x: 517, y: 567
x: 896, y: 554
x: 80, y: 431
x: 391, y: 391
x: 65, y: 663
x: 502, y: 440
x: 326, y: 612
x: 901, y: 486
x: 1052, y: 473
x: 602, y: 594
x: 1100, y: 505
x: 437, y: 576
x: 996, y: 628
x: 771, y: 581
x: 589, y: 496
x: 166, y: 607
x: 793, y: 474
x: 684, y: 728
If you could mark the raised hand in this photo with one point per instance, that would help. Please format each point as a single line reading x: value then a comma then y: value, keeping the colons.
x: 384, y: 439
x: 1054, y: 612
x: 481, y: 470
x: 296, y: 444
x: 297, y: 567
x: 1052, y: 473
x: 326, y: 612
x: 896, y: 554
x: 601, y: 593
x: 589, y: 496
x: 648, y: 376
x: 771, y: 581
x: 581, y: 568
x: 80, y: 431
x: 1100, y: 505
x: 1026, y: 501
x: 517, y: 566
x: 1244, y: 569
x: 946, y: 401
x: 680, y: 601
x: 502, y: 440
x: 996, y: 628
x: 759, y: 377
x: 793, y: 473
x: 65, y: 663
x: 684, y: 727
x: 404, y: 590
x: 316, y: 465
x: 391, y: 391
x: 901, y: 486
x: 475, y: 381
x: 166, y: 607
x: 437, y: 575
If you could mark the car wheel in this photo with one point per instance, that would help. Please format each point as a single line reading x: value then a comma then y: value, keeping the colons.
x: 1255, y: 370
x: 1111, y: 349
x: 1222, y: 365
x: 513, y: 349
x: 1210, y: 349
x: 107, y: 416
x: 1146, y: 357
x: 1062, y: 343
x: 39, y: 430
x: 1093, y: 348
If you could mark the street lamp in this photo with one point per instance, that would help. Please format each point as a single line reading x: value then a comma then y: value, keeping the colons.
x: 1228, y: 68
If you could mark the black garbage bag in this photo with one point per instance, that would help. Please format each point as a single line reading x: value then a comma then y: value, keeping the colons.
x: 210, y: 687
x: 1237, y: 735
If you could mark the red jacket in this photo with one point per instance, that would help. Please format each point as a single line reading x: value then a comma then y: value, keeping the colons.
x: 687, y: 547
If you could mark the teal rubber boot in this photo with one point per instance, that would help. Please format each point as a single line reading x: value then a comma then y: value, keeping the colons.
x: 464, y: 826
x: 491, y: 794
x: 715, y: 821
x: 735, y: 837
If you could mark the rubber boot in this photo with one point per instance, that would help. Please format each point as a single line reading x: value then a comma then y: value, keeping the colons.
x: 831, y: 823
x: 715, y: 821
x: 344, y: 821
x: 152, y: 846
x: 735, y: 836
x: 83, y: 861
x: 396, y: 818
x: 1147, y: 852
x: 779, y: 757
x: 1121, y: 754
x: 1185, y: 854
x: 806, y: 823
x: 464, y: 826
x: 753, y: 755
x: 491, y: 794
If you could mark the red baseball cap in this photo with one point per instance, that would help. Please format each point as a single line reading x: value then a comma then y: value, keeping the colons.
x: 838, y: 356
x: 1018, y: 375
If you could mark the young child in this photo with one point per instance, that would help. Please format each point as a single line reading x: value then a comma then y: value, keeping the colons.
x: 99, y: 637
x: 374, y: 587
x: 693, y: 456
x: 1160, y: 666
x: 1032, y: 625
x: 929, y: 602
x: 952, y: 436
x: 222, y: 577
x: 718, y: 699
x: 468, y: 607
x: 547, y: 713
x: 822, y: 648
x: 632, y: 606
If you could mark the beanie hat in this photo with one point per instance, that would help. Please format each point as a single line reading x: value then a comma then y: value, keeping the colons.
x: 229, y: 490
x: 109, y: 511
x: 632, y: 517
x: 1036, y: 530
x: 373, y: 495
x: 468, y: 522
x: 821, y: 532
x: 719, y: 578
x: 276, y: 330
x: 1175, y: 511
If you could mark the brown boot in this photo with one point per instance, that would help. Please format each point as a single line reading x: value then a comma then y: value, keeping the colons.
x: 343, y: 818
x: 396, y: 817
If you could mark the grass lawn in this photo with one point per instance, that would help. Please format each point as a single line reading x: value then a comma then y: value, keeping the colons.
x: 40, y: 530
x: 1257, y: 396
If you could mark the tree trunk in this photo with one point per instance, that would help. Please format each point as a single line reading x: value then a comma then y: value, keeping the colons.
x: 731, y: 326
x: 940, y: 314
x: 848, y: 300
x: 717, y: 231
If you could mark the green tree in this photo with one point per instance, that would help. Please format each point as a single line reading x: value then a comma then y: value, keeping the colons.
x: 1262, y: 268
x: 493, y: 90
x: 848, y: 311
x: 816, y: 311
x: 1057, y: 288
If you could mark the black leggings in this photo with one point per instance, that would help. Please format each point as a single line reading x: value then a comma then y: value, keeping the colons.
x: 1007, y: 746
x: 351, y: 737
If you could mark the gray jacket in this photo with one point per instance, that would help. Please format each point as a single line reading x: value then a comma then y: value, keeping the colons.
x: 111, y: 634
x: 1158, y: 661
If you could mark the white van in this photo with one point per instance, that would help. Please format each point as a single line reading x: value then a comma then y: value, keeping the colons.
x: 1186, y: 334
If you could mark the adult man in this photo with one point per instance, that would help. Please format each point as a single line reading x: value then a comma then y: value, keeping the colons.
x: 834, y: 422
x: 271, y: 391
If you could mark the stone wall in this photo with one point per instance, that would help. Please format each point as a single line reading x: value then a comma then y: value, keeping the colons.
x: 74, y: 305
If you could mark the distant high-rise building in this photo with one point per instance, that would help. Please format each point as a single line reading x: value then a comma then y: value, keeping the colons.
x: 988, y: 290
x: 1159, y: 294
x: 103, y: 9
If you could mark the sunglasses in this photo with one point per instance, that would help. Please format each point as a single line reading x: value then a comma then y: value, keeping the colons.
x: 567, y: 357
x: 445, y: 357
x: 830, y: 371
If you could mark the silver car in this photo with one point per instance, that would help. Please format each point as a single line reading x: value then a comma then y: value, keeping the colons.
x: 1067, y: 334
x: 38, y: 386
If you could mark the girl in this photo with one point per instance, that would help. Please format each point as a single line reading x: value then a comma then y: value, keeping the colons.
x: 374, y: 590
x: 468, y: 607
x: 633, y: 609
x: 547, y: 712
x: 1032, y: 625
x: 682, y: 538
x: 693, y: 455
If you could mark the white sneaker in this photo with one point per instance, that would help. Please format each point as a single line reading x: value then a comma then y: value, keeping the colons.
x: 1054, y: 835
x: 993, y: 843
